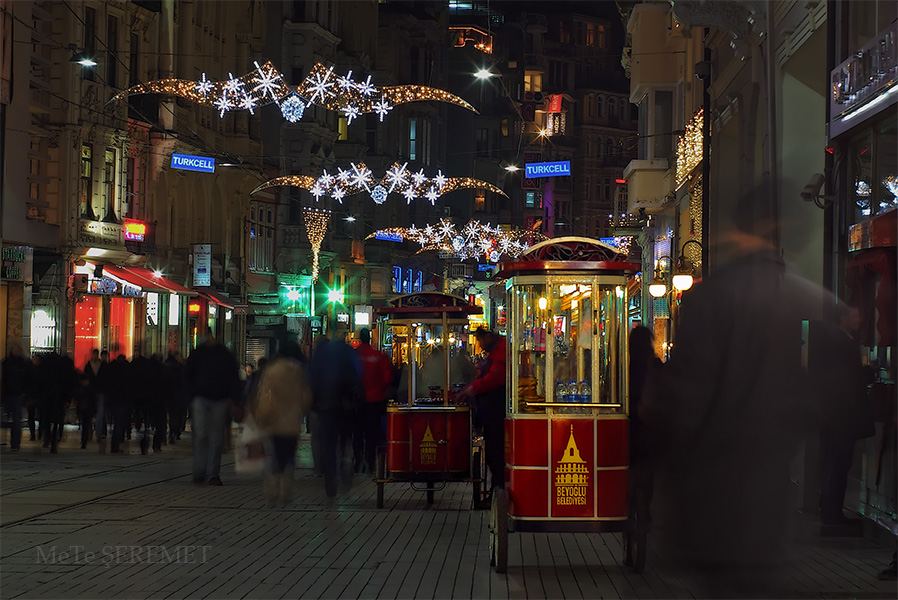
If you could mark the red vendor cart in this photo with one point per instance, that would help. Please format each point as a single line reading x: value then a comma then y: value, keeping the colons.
x: 430, y: 439
x: 566, y: 427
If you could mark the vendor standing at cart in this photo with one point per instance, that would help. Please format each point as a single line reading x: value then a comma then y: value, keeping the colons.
x: 488, y: 391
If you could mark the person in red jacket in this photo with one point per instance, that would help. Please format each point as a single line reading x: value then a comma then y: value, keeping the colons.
x: 377, y: 378
x: 489, y: 405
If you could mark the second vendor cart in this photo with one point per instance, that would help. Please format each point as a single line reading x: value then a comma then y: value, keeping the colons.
x: 430, y: 438
x: 566, y: 427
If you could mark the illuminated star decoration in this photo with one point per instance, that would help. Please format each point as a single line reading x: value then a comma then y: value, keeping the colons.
x: 475, y: 241
x: 396, y: 179
x: 322, y: 87
x: 316, y: 225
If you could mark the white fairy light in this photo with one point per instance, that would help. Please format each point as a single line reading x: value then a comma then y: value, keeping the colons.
x: 319, y: 85
x: 409, y: 194
x: 233, y: 85
x: 432, y: 195
x: 365, y: 87
x: 419, y: 177
x: 440, y: 180
x: 351, y: 112
x: 343, y: 176
x: 396, y: 175
x: 269, y: 83
x: 346, y: 82
x: 224, y: 104
x: 203, y: 86
x: 248, y: 103
x: 338, y: 194
x: 361, y: 176
x: 317, y: 191
x: 326, y: 179
x: 381, y: 107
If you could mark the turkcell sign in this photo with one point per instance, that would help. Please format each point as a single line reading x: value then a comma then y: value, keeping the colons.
x: 187, y: 162
x: 390, y: 237
x: 548, y: 169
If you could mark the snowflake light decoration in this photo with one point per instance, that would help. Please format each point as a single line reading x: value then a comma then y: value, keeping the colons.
x: 265, y: 85
x: 292, y: 108
x: 351, y: 113
x: 396, y: 179
x: 475, y: 241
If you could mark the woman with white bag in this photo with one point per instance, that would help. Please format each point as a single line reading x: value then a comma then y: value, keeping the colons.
x: 281, y: 402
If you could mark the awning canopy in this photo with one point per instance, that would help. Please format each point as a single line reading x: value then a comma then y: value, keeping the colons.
x: 224, y: 301
x: 146, y: 280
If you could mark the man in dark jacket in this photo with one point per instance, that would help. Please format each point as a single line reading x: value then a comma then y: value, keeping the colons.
x: 336, y: 396
x: 118, y: 400
x: 213, y: 380
x: 17, y: 380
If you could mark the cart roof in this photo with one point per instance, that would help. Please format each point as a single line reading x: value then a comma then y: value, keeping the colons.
x: 569, y: 254
x: 429, y: 305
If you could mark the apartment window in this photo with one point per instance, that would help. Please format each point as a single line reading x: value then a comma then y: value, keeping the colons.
x: 588, y: 188
x: 623, y: 109
x: 370, y: 132
x: 607, y: 186
x: 601, y: 35
x: 109, y: 185
x: 590, y: 35
x: 342, y: 129
x: 111, y: 52
x: 129, y: 206
x: 588, y: 147
x: 413, y: 139
x: 663, y: 139
x: 564, y: 35
x: 504, y: 127
x: 600, y: 107
x: 261, y: 237
x: 611, y: 108
x: 90, y: 36
x: 609, y: 148
x: 85, y: 190
x: 533, y: 81
x: 425, y: 142
x: 483, y: 143
x: 480, y: 200
x: 134, y: 61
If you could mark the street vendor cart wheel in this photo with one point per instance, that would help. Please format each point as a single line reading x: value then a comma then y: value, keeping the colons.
x: 499, y: 531
x: 636, y: 537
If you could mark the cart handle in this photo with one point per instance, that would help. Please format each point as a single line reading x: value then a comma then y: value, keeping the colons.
x: 436, y: 408
x: 564, y: 404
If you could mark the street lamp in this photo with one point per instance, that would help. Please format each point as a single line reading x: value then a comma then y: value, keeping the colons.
x: 483, y: 74
x: 81, y: 57
x: 683, y: 278
x: 658, y: 287
x: 512, y: 168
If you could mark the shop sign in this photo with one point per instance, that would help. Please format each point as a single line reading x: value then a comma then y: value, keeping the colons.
x: 188, y: 162
x: 386, y: 236
x: 135, y: 231
x: 864, y: 79
x: 98, y: 233
x: 202, y: 265
x: 268, y: 319
x: 557, y: 168
x: 572, y: 468
x: 554, y: 105
x: 528, y: 183
x: 13, y: 259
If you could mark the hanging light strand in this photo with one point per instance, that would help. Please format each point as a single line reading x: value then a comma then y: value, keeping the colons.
x: 315, y: 220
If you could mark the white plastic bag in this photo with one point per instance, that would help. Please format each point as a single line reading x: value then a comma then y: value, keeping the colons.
x: 251, y: 450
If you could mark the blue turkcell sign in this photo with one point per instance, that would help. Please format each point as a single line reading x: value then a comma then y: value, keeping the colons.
x: 390, y: 237
x: 548, y: 169
x: 187, y: 162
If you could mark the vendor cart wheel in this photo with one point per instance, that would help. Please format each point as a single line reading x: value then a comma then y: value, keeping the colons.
x: 499, y: 530
x: 430, y: 492
x: 380, y: 470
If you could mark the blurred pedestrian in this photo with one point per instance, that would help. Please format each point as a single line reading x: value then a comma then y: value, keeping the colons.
x: 488, y: 392
x: 281, y: 400
x: 176, y: 395
x: 377, y: 377
x: 158, y: 407
x: 86, y: 404
x: 95, y: 371
x: 846, y: 415
x: 119, y: 401
x: 16, y: 383
x: 644, y: 370
x: 336, y: 395
x: 213, y: 380
x: 57, y: 377
x: 734, y: 406
x: 32, y: 396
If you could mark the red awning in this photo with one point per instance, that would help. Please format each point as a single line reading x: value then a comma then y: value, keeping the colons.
x: 231, y: 303
x: 146, y: 280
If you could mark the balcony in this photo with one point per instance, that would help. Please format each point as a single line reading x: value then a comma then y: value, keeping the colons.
x: 648, y: 185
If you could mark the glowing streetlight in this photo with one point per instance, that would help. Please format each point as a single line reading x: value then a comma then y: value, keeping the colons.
x: 483, y: 74
x: 512, y: 168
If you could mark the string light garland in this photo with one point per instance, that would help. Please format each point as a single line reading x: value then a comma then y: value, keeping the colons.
x: 474, y: 241
x: 690, y: 147
x: 398, y: 179
x: 321, y: 87
x: 315, y: 220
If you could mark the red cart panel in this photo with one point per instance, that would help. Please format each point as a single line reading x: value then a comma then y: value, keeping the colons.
x: 611, y: 489
x: 428, y: 442
x: 573, y: 466
x: 528, y: 491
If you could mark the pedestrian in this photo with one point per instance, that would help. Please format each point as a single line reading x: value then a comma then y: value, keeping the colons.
x: 32, y: 395
x: 336, y: 394
x: 734, y: 407
x: 281, y: 400
x: 119, y: 401
x: 95, y: 371
x: 86, y: 404
x: 377, y: 378
x: 488, y: 393
x: 644, y: 369
x: 158, y: 410
x: 175, y: 395
x: 146, y: 383
x: 17, y: 381
x: 58, y: 379
x: 213, y: 380
x: 846, y: 414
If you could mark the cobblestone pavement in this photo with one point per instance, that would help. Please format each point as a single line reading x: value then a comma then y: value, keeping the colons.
x: 81, y: 524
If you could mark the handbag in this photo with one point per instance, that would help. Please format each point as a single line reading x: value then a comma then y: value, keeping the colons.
x: 252, y: 450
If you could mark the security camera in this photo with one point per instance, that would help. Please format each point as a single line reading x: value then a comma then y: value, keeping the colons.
x: 811, y: 191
